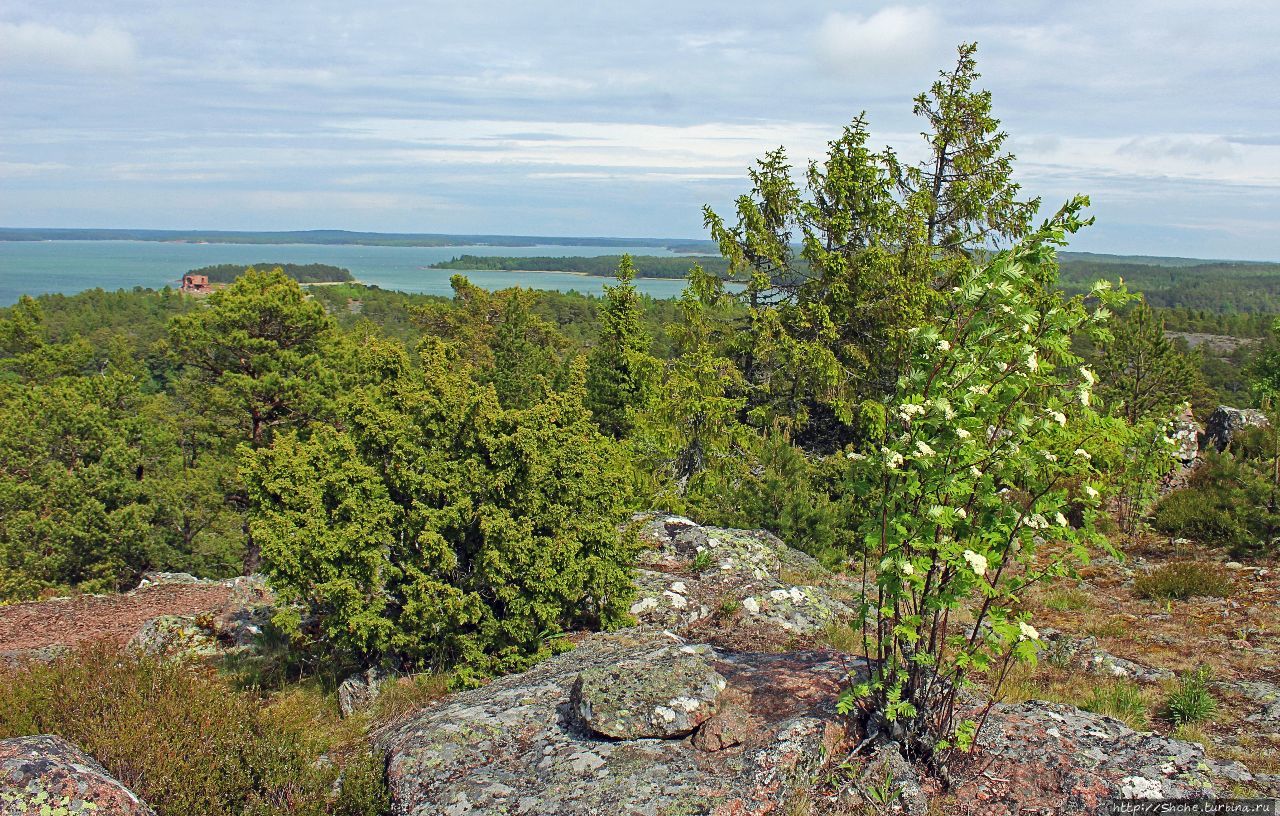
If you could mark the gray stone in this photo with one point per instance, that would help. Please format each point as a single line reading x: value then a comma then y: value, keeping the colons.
x: 892, y: 783
x: 660, y: 694
x: 47, y: 775
x: 690, y: 573
x: 175, y: 636
x: 1086, y: 655
x: 359, y: 691
x: 1038, y: 757
x: 1226, y: 422
x: 516, y: 746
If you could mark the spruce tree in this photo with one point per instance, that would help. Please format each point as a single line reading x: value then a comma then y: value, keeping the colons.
x: 620, y: 370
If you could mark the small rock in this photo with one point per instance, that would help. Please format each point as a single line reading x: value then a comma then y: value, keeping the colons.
x: 663, y: 694
x: 359, y: 691
x: 726, y: 728
x: 894, y: 781
x: 1226, y: 422
x: 1234, y: 565
x: 175, y: 636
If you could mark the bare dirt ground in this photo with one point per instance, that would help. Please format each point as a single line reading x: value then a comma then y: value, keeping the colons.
x: 69, y: 621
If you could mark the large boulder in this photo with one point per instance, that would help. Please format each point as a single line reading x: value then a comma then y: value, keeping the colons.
x: 691, y: 576
x: 48, y: 775
x: 1225, y: 422
x: 520, y: 745
x: 233, y: 627
x: 663, y: 693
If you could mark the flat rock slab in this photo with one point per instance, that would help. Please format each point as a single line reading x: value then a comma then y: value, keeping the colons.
x: 517, y: 745
x: 661, y: 694
x: 1038, y: 757
x: 47, y: 774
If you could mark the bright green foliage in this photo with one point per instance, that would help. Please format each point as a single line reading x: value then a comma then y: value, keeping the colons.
x: 81, y: 462
x: 986, y: 450
x: 500, y: 336
x: 790, y: 493
x: 255, y: 354
x: 438, y: 528
x: 964, y: 189
x: 1192, y: 702
x: 691, y: 443
x: 1229, y: 499
x: 830, y: 327
x: 620, y: 371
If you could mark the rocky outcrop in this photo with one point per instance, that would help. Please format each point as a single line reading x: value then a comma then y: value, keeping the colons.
x: 663, y: 693
x: 691, y: 574
x: 582, y: 733
x: 1187, y: 433
x: 1084, y: 654
x: 521, y: 745
x: 1038, y: 757
x: 232, y: 628
x: 48, y: 775
x: 1225, y: 422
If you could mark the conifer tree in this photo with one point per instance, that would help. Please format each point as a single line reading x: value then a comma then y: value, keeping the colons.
x: 620, y: 371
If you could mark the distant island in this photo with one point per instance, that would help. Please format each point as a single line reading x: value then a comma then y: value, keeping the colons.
x: 647, y: 266
x: 302, y: 273
x: 344, y: 237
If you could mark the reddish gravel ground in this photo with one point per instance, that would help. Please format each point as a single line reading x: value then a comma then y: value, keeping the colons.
x: 68, y: 621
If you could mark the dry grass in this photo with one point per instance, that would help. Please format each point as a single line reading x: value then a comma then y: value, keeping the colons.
x: 1122, y: 699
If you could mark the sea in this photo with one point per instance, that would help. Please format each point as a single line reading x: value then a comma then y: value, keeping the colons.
x: 40, y: 267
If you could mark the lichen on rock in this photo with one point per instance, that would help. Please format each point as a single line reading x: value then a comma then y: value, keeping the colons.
x: 47, y: 775
x: 660, y: 694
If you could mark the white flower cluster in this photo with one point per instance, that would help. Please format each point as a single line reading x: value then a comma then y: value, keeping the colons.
x: 977, y: 561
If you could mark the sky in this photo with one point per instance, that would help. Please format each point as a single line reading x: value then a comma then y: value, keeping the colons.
x: 581, y: 118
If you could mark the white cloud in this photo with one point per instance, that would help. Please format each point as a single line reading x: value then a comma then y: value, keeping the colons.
x: 887, y: 40
x: 35, y: 45
x: 1212, y: 149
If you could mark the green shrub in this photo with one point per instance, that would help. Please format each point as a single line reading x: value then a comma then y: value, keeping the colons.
x: 1191, y: 702
x: 436, y: 530
x: 1122, y: 700
x: 1069, y: 599
x: 1182, y: 580
x: 1193, y: 513
x: 187, y: 742
x: 1229, y: 501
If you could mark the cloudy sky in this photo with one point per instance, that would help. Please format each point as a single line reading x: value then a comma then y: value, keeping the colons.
x: 608, y: 118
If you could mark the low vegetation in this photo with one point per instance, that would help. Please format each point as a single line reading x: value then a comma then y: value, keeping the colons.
x: 187, y: 741
x: 1191, y: 702
x: 1184, y: 579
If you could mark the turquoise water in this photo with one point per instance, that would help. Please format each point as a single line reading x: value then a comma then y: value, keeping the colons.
x: 39, y: 267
